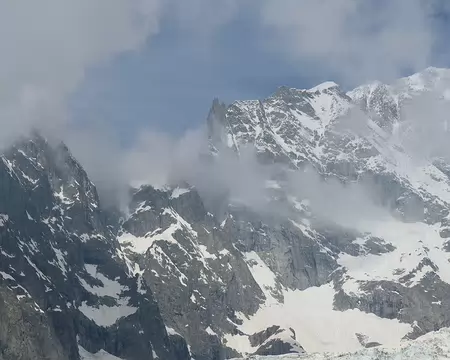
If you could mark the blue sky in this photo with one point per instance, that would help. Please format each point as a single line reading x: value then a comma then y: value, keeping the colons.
x: 168, y: 83
x: 118, y: 78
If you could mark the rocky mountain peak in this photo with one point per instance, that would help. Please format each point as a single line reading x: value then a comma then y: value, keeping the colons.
x: 426, y: 80
x: 351, y: 229
x: 380, y: 101
x: 325, y: 86
x: 65, y: 287
x: 216, y: 122
x: 315, y: 128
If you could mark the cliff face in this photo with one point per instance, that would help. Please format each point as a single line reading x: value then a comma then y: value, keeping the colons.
x: 347, y: 248
x: 221, y: 278
x: 64, y: 281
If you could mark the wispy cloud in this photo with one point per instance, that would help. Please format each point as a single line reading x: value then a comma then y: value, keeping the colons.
x: 48, y: 45
x: 354, y: 40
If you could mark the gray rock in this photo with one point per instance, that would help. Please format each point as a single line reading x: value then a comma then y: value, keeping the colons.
x: 276, y: 341
x: 60, y: 262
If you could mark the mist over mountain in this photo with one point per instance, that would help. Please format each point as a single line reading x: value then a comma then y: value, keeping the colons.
x: 311, y: 221
x: 293, y: 219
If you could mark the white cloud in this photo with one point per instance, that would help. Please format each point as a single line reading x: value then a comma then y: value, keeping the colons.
x: 159, y: 159
x: 205, y: 16
x: 355, y: 40
x: 47, y: 45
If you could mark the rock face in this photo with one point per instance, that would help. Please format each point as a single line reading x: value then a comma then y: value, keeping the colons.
x: 64, y: 281
x: 198, y: 276
x: 24, y: 332
x: 219, y: 278
x: 321, y: 264
x: 431, y: 346
x: 275, y: 341
x: 200, y: 269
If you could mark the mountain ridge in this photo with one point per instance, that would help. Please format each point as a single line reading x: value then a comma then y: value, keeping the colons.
x: 175, y: 280
x: 61, y: 269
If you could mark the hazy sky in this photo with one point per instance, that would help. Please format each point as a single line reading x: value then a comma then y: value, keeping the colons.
x: 235, y: 49
x: 170, y: 83
x: 131, y: 66
x: 121, y: 81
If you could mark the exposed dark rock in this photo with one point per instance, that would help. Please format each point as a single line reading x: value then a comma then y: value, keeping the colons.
x: 61, y: 265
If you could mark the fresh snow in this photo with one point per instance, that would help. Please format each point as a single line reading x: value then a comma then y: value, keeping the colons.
x: 60, y: 260
x: 62, y: 198
x: 286, y: 336
x: 110, y: 288
x: 29, y: 216
x: 324, y: 86
x: 104, y: 315
x: 6, y: 276
x: 434, y: 345
x: 294, y: 132
x: 171, y: 331
x: 205, y: 253
x: 177, y: 192
x: 38, y: 272
x: 4, y: 253
x: 100, y: 355
x: 142, y: 244
x: 142, y: 208
x: 3, y: 219
x: 265, y: 278
x: 310, y: 313
x: 210, y: 331
x: 318, y: 327
x: 413, y: 242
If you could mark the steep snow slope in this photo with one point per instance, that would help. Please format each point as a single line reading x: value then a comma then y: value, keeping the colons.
x: 317, y: 325
x: 100, y: 355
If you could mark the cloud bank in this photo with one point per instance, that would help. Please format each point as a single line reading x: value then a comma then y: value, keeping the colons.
x: 354, y: 40
x: 48, y: 47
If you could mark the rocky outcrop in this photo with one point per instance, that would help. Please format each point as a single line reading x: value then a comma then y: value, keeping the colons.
x: 275, y: 341
x: 425, y: 305
x: 25, y: 331
x: 64, y: 282
x: 431, y: 346
x: 179, y: 266
x: 199, y: 278
x: 212, y: 255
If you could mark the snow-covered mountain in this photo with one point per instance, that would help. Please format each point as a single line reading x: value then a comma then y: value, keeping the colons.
x: 65, y: 288
x: 347, y: 250
x: 381, y: 276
